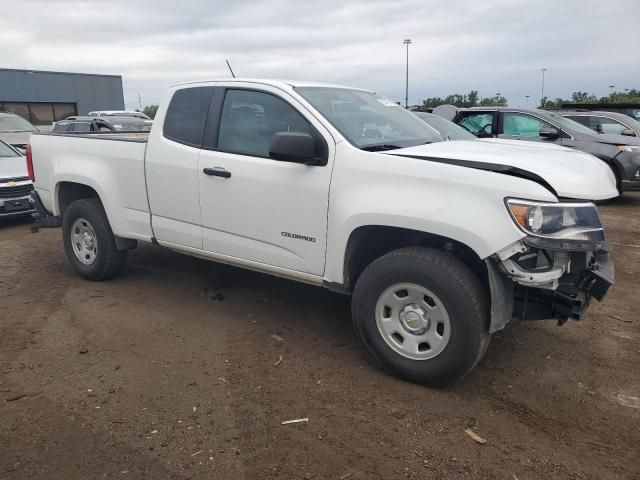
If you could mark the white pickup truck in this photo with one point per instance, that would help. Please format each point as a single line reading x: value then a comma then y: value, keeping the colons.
x: 439, y: 243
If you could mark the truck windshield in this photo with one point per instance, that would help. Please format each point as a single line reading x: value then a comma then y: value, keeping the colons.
x: 7, y: 151
x: 369, y: 121
x: 14, y: 123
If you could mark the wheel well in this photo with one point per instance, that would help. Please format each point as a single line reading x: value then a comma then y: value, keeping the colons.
x: 69, y: 192
x: 368, y: 243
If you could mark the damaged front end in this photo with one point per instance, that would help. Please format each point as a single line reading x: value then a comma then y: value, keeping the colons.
x: 554, y: 270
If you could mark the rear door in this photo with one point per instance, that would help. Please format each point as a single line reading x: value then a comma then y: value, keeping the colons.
x: 253, y: 207
x: 172, y: 168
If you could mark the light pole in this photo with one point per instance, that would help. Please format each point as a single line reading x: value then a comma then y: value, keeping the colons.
x: 527, y: 97
x: 407, y: 42
x: 611, y: 87
x: 542, y: 91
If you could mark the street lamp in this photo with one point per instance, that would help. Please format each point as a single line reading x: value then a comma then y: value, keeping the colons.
x: 407, y: 42
x: 542, y: 91
x: 527, y: 97
x: 611, y: 87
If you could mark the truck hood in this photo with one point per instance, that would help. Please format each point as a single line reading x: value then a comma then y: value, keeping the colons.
x: 12, y: 167
x: 567, y: 173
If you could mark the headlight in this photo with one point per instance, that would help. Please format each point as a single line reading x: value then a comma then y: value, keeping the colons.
x: 562, y: 221
x: 628, y: 148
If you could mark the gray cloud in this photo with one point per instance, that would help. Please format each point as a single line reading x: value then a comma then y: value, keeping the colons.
x: 492, y: 46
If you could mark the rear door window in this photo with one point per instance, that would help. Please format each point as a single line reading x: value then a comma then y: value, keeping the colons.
x: 187, y: 115
x: 583, y: 120
x: 82, y: 127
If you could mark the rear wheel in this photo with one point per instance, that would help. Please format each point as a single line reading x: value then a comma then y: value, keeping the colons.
x: 89, y: 243
x: 422, y: 315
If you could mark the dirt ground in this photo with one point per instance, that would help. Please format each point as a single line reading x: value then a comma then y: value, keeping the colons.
x: 170, y: 372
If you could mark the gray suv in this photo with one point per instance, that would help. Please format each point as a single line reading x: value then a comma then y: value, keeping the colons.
x: 620, y: 152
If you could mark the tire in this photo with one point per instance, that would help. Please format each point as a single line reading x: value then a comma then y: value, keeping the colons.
x: 447, y: 294
x: 94, y: 256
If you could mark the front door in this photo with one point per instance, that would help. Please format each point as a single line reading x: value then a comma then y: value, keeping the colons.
x: 253, y: 207
x: 522, y: 126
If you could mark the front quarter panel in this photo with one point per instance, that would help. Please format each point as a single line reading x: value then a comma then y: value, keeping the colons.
x: 464, y: 204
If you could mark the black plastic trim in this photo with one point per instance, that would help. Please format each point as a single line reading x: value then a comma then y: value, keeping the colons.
x: 337, y: 287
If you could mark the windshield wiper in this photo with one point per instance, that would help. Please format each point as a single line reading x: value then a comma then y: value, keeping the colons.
x: 379, y: 148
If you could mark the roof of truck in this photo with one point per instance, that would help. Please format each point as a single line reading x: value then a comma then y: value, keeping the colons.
x: 275, y: 83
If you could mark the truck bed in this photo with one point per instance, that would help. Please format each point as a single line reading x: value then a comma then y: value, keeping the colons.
x: 112, y: 164
x: 139, y: 137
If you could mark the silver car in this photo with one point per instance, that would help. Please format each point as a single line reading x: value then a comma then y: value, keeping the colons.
x: 605, y: 122
x: 15, y: 130
x: 15, y: 186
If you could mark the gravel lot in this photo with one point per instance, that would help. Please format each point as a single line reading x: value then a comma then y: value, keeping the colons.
x: 168, y: 372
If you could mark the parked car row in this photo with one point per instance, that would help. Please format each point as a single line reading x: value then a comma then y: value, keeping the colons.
x: 620, y: 152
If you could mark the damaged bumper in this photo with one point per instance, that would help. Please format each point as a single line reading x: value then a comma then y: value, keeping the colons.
x: 535, y: 280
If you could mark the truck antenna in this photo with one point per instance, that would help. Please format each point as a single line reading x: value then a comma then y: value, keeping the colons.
x: 230, y: 69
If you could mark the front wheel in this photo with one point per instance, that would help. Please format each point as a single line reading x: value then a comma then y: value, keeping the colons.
x: 422, y: 315
x: 89, y: 243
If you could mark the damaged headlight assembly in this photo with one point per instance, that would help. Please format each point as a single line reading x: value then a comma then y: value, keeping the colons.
x: 553, y: 231
x: 563, y: 225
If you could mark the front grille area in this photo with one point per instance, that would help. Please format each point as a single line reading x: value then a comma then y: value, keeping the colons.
x: 16, y: 191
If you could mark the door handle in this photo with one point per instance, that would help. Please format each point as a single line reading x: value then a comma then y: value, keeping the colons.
x: 217, y: 172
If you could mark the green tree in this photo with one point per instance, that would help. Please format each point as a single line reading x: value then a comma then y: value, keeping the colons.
x: 457, y: 99
x: 150, y: 111
x: 495, y: 101
x: 583, y: 97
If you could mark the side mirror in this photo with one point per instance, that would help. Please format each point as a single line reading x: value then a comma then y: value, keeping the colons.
x: 628, y: 132
x: 293, y: 147
x: 549, y: 132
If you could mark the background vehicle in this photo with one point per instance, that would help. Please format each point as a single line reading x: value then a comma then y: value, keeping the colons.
x: 605, y: 122
x: 445, y: 128
x: 439, y: 243
x: 621, y: 153
x: 76, y: 125
x: 15, y: 130
x: 15, y: 185
x: 118, y: 113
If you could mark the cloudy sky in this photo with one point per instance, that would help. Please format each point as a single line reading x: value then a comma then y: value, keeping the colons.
x: 458, y: 45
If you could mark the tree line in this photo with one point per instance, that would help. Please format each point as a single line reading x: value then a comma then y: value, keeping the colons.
x: 472, y: 99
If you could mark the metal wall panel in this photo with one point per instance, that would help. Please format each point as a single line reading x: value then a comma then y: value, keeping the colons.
x: 89, y: 92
